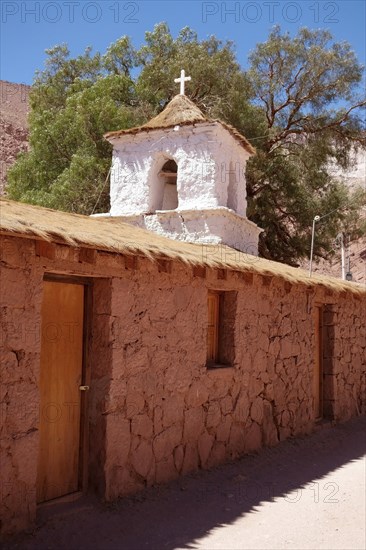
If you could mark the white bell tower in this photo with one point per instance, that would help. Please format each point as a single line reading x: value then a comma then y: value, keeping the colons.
x: 182, y: 175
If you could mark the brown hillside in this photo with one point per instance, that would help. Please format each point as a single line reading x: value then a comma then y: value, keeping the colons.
x: 14, y: 107
x: 353, y: 178
x: 357, y: 258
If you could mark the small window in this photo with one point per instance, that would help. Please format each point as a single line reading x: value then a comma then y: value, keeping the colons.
x: 221, y: 328
x: 213, y: 327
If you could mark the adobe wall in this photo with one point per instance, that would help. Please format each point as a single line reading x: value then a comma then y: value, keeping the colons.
x: 347, y: 336
x: 20, y: 314
x: 155, y: 411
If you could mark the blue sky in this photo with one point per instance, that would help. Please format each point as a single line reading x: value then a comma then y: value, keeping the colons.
x: 30, y: 27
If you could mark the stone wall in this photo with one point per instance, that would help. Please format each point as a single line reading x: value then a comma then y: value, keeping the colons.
x: 155, y: 410
x: 348, y: 331
x: 20, y: 313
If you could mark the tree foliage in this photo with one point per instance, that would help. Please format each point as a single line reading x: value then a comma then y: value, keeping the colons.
x: 307, y: 87
x: 73, y: 103
x: 297, y: 103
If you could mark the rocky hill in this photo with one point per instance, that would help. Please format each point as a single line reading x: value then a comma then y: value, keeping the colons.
x: 356, y: 252
x: 14, y: 107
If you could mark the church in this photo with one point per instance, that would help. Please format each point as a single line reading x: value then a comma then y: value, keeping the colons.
x: 148, y: 342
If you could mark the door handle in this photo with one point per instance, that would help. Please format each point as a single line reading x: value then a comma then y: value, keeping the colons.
x: 83, y: 388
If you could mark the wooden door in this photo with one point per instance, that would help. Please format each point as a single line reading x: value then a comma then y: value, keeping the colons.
x: 60, y: 380
x: 318, y: 363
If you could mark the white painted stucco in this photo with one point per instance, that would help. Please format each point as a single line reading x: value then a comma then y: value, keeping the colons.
x: 211, y: 226
x: 210, y: 192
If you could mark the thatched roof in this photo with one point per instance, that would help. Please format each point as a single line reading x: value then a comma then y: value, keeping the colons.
x: 180, y: 111
x: 110, y: 234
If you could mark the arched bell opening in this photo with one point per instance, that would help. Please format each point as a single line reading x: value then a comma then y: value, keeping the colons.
x: 168, y: 177
x: 163, y: 185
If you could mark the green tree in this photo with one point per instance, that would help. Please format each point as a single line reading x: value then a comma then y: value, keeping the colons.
x: 297, y: 104
x: 215, y: 73
x: 73, y: 103
x: 307, y: 88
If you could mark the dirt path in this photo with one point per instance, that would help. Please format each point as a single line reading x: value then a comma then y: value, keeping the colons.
x: 303, y: 494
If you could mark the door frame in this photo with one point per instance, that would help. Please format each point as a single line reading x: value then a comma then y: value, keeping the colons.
x: 319, y: 351
x: 83, y: 474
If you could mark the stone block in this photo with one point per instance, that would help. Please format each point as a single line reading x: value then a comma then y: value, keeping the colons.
x: 269, y: 392
x: 205, y: 442
x: 172, y: 409
x: 242, y: 408
x: 117, y: 440
x: 24, y: 453
x: 252, y: 438
x: 270, y: 436
x: 165, y: 470
x: 284, y: 433
x: 135, y: 404
x: 166, y: 441
x: 10, y: 371
x: 226, y: 405
x: 13, y: 252
x: 193, y: 424
x: 223, y: 429
x: 236, y: 440
x: 213, y: 415
x: 217, y: 455
x: 13, y: 287
x: 142, y: 425
x: 142, y: 458
x: 256, y: 410
x: 221, y: 386
x: 191, y: 459
x: 178, y: 457
x: 120, y: 482
x: 256, y: 386
x: 197, y: 395
x: 177, y: 377
x: 158, y: 420
x: 289, y: 348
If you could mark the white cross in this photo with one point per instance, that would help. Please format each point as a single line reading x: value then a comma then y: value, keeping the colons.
x: 183, y: 78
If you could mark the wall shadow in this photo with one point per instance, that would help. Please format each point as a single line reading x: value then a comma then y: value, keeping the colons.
x: 176, y: 515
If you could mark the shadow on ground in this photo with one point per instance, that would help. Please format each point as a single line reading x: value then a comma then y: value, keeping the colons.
x: 176, y: 515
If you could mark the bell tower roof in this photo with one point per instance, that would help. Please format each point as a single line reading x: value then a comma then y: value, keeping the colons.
x: 180, y: 111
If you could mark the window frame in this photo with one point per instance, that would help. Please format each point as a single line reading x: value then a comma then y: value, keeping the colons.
x: 215, y: 329
x: 213, y: 323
